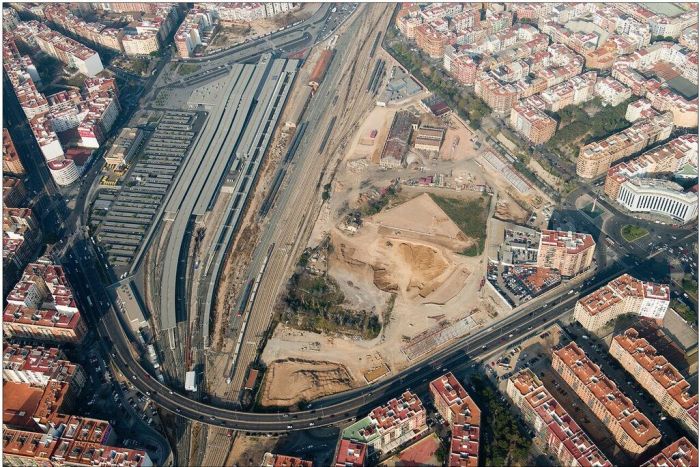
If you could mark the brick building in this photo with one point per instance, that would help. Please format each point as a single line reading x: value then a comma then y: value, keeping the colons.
x: 632, y: 431
x: 620, y: 296
x: 657, y: 376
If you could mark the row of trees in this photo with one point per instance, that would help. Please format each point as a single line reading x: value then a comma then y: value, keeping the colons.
x: 465, y: 103
x: 504, y: 440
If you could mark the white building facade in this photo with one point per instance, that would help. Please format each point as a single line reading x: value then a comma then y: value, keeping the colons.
x: 658, y: 197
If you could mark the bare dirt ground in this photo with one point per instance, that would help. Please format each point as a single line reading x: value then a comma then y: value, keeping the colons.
x: 410, y: 250
x: 249, y: 450
x: 288, y: 382
x: 233, y: 33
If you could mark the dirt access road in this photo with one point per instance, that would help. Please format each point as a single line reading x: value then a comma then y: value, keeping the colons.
x: 342, y: 95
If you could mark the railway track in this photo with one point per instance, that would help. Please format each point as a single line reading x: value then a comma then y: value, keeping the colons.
x: 289, y: 232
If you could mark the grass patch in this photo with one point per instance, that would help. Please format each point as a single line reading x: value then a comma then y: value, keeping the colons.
x: 689, y: 314
x: 577, y: 128
x: 470, y: 216
x: 689, y: 285
x: 315, y: 304
x: 631, y: 233
x: 188, y: 68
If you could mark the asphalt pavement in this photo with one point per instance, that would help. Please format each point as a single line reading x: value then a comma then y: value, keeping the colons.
x: 351, y: 404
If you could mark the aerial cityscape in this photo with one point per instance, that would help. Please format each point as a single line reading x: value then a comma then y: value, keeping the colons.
x: 286, y: 234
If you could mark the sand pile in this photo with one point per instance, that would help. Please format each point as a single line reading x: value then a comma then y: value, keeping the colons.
x: 420, y: 216
x: 409, y: 267
x: 290, y: 381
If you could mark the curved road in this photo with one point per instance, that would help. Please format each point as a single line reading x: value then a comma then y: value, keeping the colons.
x: 347, y: 405
x: 350, y: 404
x: 316, y: 19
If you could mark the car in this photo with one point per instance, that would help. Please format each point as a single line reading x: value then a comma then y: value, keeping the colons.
x: 311, y: 424
x: 289, y: 427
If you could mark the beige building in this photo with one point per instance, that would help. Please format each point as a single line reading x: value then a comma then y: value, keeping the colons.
x: 623, y: 295
x: 124, y: 147
x: 632, y: 430
x: 429, y: 138
x: 553, y: 425
x: 569, y: 252
x: 141, y: 44
x: 657, y: 376
x: 595, y: 158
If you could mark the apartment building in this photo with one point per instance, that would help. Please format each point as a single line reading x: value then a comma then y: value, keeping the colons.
x: 575, y: 91
x: 500, y: 98
x: 351, y: 454
x: 681, y: 453
x: 22, y: 74
x: 595, y: 158
x: 280, y: 460
x: 657, y: 376
x: 95, y: 33
x: 553, y: 426
x: 464, y: 417
x: 632, y: 431
x: 11, y: 164
x: 21, y: 236
x: 25, y: 322
x: 188, y: 37
x: 611, y: 91
x: 641, y: 108
x: 532, y: 123
x: 569, y: 252
x: 431, y: 41
x: 668, y: 158
x: 41, y: 306
x: 622, y: 295
x: 389, y: 426
x: 37, y: 366
x: 50, y: 450
x: 463, y: 68
x: 68, y: 51
x: 14, y: 194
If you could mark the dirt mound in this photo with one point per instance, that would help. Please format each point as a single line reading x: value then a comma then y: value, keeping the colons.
x: 421, y: 216
x: 289, y: 381
x: 410, y: 267
x: 426, y: 263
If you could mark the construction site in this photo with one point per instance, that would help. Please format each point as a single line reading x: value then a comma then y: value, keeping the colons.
x: 383, y: 239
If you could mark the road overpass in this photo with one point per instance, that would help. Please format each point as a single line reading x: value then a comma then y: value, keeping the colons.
x: 339, y: 408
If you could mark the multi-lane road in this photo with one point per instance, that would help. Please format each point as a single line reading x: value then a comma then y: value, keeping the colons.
x: 342, y: 407
x: 333, y: 409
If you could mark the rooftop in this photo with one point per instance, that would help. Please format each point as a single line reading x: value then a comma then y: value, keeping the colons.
x: 573, y: 242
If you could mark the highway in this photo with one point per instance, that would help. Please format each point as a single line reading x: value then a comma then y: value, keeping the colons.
x: 348, y: 405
